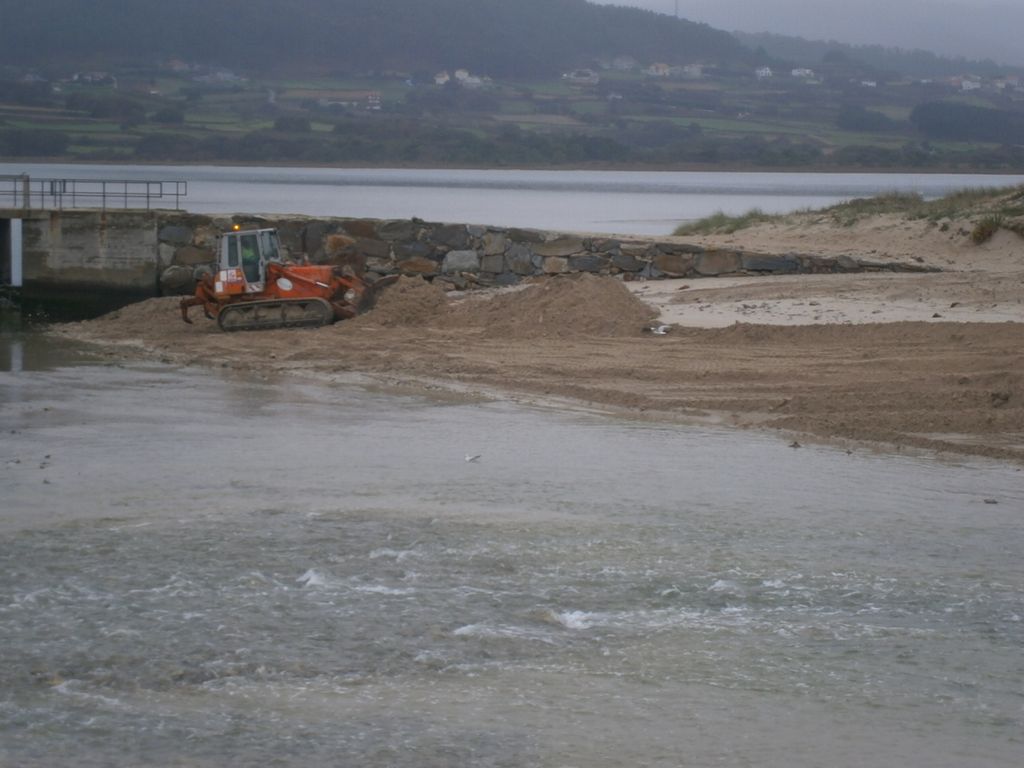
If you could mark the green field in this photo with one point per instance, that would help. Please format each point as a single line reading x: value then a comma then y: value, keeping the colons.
x: 626, y: 119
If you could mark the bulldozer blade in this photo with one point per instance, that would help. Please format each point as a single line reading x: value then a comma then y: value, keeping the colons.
x: 369, y: 297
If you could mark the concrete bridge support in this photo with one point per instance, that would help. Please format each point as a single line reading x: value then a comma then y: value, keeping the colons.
x: 87, y: 261
x: 10, y: 253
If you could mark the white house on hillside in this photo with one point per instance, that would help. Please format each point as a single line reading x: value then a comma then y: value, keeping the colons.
x: 461, y: 77
x: 582, y: 77
x: 624, y: 63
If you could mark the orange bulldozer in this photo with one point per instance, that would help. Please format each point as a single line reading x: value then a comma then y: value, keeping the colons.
x: 255, y: 289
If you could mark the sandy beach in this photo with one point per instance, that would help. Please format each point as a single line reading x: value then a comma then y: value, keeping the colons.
x: 931, y: 361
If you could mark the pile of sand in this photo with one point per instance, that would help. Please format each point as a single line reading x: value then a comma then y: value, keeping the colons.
x: 559, y: 307
x: 152, y: 318
x: 411, y: 302
x: 148, y: 312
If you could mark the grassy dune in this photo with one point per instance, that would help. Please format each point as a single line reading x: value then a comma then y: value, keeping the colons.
x: 986, y: 210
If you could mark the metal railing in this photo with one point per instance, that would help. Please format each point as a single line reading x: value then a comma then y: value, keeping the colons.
x: 23, y: 191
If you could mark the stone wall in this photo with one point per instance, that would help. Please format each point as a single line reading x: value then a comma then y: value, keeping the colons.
x: 114, y: 257
x: 463, y: 256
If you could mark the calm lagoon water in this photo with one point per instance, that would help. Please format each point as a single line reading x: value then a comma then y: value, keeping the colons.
x: 625, y: 202
x: 202, y: 569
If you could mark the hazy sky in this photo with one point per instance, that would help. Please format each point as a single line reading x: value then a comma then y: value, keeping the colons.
x: 970, y: 28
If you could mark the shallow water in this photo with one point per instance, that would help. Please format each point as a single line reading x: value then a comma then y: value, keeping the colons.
x: 199, y: 569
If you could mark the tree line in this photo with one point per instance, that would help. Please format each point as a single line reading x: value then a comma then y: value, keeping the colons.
x: 525, y: 38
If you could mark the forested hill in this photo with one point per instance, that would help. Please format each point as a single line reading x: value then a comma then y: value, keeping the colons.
x: 502, y: 38
x: 916, y: 63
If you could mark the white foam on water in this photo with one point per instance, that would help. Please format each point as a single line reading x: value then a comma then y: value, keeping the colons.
x: 67, y: 688
x: 576, y: 619
x: 380, y: 589
x: 655, y: 619
x: 259, y: 577
x: 473, y: 630
x: 477, y: 630
x: 120, y: 632
x: 176, y: 587
x: 725, y: 585
x: 312, y: 578
x: 432, y: 659
x: 29, y: 597
x: 465, y: 589
x: 501, y: 631
x: 632, y: 620
x: 396, y: 554
x: 117, y: 528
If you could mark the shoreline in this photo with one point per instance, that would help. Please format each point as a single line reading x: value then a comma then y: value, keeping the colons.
x: 801, y: 429
x: 596, y: 167
x: 930, y: 360
x: 941, y: 389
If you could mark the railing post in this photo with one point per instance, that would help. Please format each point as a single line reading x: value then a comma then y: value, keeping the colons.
x: 26, y: 192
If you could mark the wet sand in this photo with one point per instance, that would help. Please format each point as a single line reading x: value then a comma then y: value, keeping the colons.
x: 931, y: 361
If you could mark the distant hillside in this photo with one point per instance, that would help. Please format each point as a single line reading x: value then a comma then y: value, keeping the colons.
x: 972, y: 29
x: 913, y: 63
x: 501, y: 38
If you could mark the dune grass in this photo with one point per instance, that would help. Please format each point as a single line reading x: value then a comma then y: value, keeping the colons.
x: 985, y: 228
x: 990, y: 209
x: 722, y: 224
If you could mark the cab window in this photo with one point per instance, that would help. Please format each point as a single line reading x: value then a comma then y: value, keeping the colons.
x: 233, y: 259
x: 250, y: 247
x: 268, y: 246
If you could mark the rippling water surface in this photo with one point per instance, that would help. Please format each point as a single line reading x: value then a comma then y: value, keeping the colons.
x: 204, y: 570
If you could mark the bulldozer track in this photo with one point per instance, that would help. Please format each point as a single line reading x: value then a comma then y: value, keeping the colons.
x: 276, y: 313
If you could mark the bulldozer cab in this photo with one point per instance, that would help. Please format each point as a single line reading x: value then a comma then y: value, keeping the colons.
x: 244, y: 256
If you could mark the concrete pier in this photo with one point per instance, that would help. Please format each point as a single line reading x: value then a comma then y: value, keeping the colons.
x: 79, y: 258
